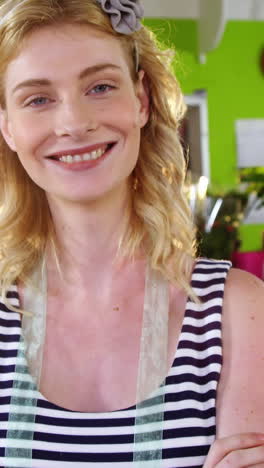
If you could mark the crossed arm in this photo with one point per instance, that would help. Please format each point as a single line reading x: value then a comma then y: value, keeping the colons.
x: 240, y: 400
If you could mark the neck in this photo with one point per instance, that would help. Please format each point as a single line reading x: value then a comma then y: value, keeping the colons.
x: 88, y: 235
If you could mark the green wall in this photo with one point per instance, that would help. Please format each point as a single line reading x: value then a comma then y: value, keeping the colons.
x: 235, y: 90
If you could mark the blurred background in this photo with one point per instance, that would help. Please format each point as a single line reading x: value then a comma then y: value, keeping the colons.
x: 220, y: 66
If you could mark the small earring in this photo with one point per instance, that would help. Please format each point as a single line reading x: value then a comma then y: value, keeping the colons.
x: 169, y: 172
x: 177, y: 243
x: 135, y: 184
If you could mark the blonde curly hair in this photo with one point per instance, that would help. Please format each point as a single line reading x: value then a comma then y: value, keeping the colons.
x: 160, y: 222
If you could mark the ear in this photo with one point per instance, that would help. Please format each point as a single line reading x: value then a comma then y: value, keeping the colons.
x: 142, y: 91
x: 6, y: 129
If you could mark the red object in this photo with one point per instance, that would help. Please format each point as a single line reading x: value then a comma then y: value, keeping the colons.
x: 253, y: 262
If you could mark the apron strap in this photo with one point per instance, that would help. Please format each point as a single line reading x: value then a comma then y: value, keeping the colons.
x: 148, y: 429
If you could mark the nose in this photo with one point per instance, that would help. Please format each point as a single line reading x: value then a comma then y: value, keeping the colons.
x: 74, y: 120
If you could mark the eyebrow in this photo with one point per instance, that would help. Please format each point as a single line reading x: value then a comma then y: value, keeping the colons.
x: 84, y: 73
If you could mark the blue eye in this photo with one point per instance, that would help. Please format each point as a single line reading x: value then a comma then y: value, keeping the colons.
x: 101, y: 89
x: 38, y: 101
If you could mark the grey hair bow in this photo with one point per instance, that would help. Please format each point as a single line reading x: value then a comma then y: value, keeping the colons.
x: 125, y: 15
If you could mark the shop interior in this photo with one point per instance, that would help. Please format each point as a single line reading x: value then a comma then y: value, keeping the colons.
x: 220, y: 65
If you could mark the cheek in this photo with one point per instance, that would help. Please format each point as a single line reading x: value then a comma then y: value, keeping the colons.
x: 124, y: 113
x: 130, y: 121
x: 27, y: 133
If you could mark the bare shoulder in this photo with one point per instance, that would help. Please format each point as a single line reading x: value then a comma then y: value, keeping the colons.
x: 243, y: 292
x: 240, y: 394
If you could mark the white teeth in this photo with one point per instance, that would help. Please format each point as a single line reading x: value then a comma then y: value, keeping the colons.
x: 77, y: 158
x: 83, y: 157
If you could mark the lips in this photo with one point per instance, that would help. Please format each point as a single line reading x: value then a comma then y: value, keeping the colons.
x: 82, y: 160
x: 79, y: 154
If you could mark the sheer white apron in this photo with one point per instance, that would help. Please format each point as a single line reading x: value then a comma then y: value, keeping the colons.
x: 148, y: 427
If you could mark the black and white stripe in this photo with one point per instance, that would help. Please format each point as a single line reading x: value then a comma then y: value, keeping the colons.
x: 63, y: 438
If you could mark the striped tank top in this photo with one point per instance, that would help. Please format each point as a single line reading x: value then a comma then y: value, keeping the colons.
x: 48, y: 436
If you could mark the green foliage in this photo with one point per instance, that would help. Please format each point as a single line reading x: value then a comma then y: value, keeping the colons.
x: 224, y: 236
x: 220, y: 242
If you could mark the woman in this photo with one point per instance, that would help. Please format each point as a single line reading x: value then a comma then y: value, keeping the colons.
x: 111, y: 346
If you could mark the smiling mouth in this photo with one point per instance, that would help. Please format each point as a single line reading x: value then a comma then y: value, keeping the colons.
x: 88, y: 156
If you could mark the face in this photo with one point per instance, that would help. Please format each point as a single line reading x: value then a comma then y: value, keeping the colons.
x: 73, y: 114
